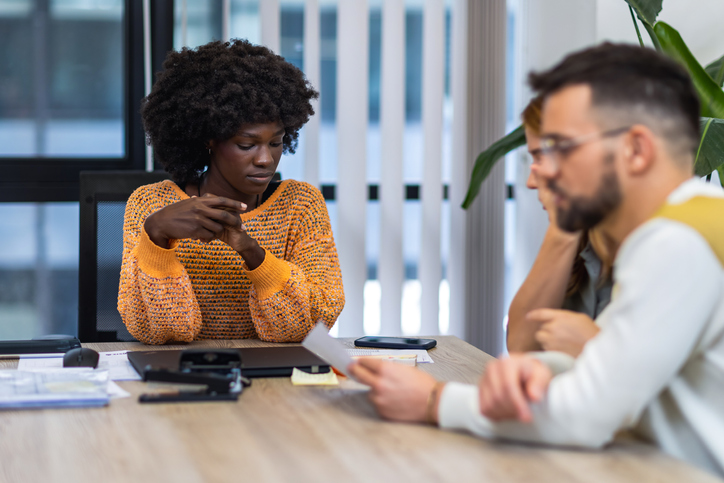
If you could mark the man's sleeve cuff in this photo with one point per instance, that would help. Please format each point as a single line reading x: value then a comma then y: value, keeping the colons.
x: 557, y: 362
x: 270, y: 277
x: 156, y: 261
x: 459, y: 407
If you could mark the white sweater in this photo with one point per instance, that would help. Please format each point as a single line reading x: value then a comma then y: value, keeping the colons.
x: 657, y: 364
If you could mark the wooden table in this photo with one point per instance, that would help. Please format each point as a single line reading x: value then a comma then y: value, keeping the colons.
x: 279, y: 432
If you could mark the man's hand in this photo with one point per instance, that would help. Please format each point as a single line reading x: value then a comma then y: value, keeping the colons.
x: 563, y: 330
x: 398, y: 392
x: 508, y: 386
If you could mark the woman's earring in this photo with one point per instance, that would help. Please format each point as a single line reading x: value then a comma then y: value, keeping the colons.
x: 209, y: 151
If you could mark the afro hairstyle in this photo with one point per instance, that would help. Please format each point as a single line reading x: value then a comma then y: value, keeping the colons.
x: 210, y: 92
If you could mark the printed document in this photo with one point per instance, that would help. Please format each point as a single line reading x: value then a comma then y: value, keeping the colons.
x: 328, y: 348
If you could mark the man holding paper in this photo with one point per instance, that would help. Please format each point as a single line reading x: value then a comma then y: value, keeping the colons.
x: 620, y: 132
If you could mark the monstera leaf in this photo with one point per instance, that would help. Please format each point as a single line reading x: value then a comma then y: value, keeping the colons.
x: 487, y: 159
x: 646, y: 10
x: 710, y: 94
x: 710, y: 155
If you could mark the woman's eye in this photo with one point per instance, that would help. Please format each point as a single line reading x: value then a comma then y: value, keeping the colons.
x: 275, y: 145
x: 244, y: 147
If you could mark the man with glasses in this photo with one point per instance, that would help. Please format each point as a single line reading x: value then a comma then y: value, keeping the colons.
x: 619, y: 136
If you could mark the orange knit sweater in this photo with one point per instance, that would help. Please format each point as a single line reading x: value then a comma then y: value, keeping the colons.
x: 197, y: 290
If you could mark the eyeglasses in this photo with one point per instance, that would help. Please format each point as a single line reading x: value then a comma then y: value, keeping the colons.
x: 559, y: 149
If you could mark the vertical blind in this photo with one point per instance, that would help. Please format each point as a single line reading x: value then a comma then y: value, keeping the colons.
x: 391, y: 269
x: 352, y: 121
x: 352, y: 124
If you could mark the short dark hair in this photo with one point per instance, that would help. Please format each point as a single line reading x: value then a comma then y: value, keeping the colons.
x: 211, y: 91
x: 632, y: 85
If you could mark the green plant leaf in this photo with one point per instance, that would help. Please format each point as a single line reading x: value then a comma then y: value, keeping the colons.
x: 710, y: 155
x: 710, y: 94
x: 654, y: 38
x: 716, y: 71
x: 646, y: 10
x: 487, y: 159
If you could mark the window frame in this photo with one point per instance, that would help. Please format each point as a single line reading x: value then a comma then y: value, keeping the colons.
x: 56, y: 179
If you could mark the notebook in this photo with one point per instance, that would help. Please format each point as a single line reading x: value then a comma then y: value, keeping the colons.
x: 255, y: 362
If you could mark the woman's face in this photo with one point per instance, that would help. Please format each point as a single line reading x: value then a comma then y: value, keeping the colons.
x: 533, y: 143
x: 246, y: 162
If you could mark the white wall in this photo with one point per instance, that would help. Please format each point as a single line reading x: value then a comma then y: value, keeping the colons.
x: 698, y: 22
x: 549, y: 30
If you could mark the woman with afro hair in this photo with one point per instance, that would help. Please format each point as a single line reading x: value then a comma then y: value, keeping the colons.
x: 223, y: 251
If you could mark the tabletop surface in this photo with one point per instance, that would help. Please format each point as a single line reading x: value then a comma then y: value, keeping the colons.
x: 279, y: 432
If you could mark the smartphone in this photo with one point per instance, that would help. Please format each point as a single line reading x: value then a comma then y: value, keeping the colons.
x: 395, y: 342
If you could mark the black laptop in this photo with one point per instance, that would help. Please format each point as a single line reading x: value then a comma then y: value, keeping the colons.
x: 255, y: 362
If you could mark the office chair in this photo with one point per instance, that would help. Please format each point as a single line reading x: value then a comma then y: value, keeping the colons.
x: 103, y: 196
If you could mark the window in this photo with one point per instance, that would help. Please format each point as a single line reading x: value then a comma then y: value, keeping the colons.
x: 69, y: 96
x: 71, y: 78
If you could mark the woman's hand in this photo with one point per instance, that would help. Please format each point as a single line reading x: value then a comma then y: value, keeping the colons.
x: 563, y: 330
x: 203, y: 218
x: 238, y: 239
x: 547, y: 199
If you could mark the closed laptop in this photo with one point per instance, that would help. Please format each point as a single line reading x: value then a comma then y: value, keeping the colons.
x: 255, y: 361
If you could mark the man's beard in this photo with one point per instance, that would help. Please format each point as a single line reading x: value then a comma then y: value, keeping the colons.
x: 585, y: 213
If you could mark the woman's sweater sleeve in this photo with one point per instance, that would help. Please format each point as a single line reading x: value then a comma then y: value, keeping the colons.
x: 289, y: 296
x: 155, y: 297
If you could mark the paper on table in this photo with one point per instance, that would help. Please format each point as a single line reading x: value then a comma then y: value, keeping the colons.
x: 422, y: 355
x: 118, y: 366
x: 116, y: 392
x: 116, y: 363
x: 405, y: 359
x: 26, y: 363
x: 328, y: 348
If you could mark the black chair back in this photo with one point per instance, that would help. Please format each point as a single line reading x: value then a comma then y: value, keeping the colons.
x: 103, y: 196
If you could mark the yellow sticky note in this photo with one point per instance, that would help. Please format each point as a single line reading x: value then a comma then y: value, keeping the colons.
x: 301, y: 378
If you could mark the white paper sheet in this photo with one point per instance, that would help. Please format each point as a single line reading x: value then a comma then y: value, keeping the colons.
x: 26, y: 363
x: 118, y: 366
x: 328, y: 348
x: 422, y: 355
x: 116, y: 392
x: 116, y: 363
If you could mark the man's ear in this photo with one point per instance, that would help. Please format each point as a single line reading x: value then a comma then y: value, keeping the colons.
x: 640, y: 149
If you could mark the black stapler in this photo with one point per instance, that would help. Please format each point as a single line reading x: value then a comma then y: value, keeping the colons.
x: 219, y: 371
